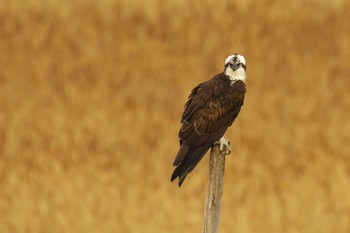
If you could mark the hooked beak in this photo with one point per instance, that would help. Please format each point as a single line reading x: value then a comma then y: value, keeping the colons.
x: 234, y: 67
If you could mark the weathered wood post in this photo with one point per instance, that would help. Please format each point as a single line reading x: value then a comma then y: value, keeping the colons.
x: 214, y: 191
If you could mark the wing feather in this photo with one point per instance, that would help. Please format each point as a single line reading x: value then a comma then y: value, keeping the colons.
x: 211, y: 108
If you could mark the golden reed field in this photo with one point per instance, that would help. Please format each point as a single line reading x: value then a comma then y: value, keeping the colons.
x: 91, y: 94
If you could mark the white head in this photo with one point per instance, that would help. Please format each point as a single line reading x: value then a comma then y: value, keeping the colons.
x: 235, y: 67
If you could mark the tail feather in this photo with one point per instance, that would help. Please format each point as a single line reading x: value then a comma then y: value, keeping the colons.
x: 182, y: 177
x: 181, y: 154
x: 190, y: 159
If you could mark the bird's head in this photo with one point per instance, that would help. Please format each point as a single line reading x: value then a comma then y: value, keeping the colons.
x: 235, y: 66
x: 235, y: 61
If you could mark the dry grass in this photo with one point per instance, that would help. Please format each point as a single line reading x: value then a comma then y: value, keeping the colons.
x: 91, y: 95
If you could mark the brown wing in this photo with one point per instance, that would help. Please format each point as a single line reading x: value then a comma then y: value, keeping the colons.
x: 211, y: 109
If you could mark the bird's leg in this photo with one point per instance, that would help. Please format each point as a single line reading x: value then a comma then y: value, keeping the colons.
x: 224, y: 142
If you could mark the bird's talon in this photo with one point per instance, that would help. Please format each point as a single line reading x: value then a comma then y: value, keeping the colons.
x: 223, y: 142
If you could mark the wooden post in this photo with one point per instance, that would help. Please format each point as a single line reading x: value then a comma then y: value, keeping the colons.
x: 214, y: 191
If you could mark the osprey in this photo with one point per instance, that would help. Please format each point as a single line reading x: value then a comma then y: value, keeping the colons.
x: 211, y: 108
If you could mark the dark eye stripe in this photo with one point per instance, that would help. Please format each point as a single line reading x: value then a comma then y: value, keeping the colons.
x: 241, y: 64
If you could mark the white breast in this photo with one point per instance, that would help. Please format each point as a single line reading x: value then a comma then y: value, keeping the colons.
x: 239, y: 74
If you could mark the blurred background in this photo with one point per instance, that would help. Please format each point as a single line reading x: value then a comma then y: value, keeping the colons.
x: 91, y: 94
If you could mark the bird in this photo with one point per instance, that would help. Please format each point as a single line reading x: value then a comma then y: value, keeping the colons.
x: 211, y: 108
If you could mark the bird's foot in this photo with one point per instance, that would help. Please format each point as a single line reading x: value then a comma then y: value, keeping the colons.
x: 224, y: 142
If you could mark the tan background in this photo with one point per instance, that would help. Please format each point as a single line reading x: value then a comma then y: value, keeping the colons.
x: 91, y: 94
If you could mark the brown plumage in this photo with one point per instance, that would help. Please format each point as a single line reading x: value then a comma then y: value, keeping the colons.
x: 211, y: 108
